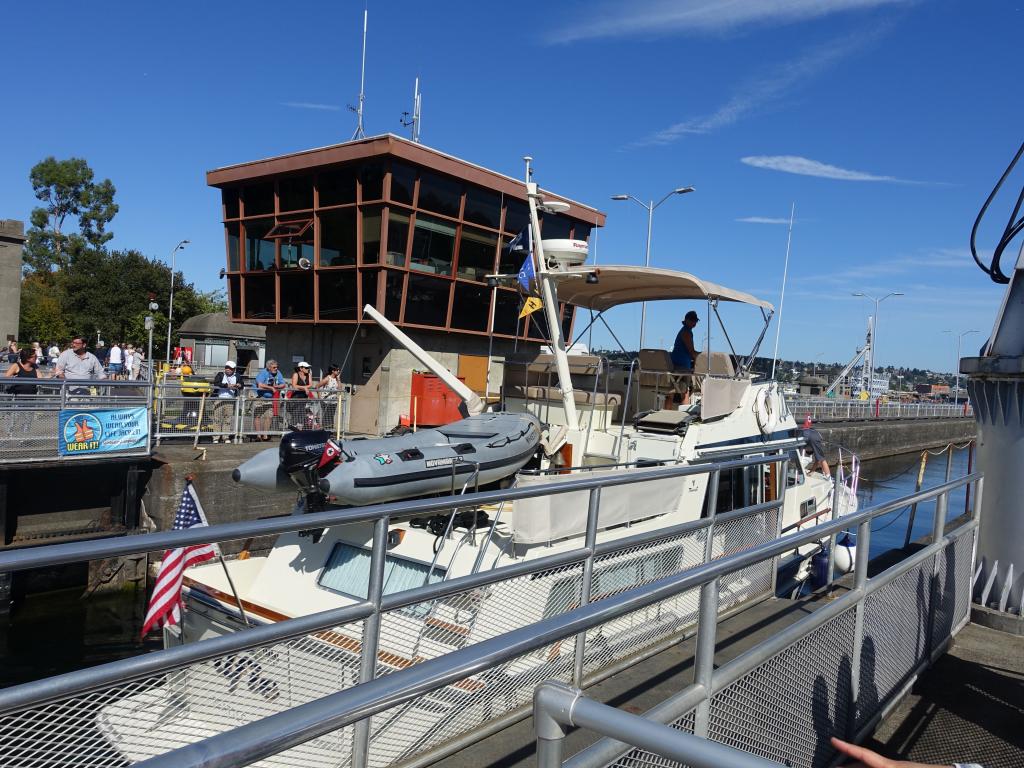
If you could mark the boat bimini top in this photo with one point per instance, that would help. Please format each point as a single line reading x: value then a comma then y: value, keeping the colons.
x: 617, y: 285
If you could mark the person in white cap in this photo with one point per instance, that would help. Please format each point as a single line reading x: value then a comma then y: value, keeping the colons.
x: 301, y: 383
x: 226, y: 386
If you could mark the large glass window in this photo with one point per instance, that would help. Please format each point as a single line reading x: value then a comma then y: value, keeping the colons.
x: 477, y: 249
x: 516, y: 216
x: 440, y: 194
x: 259, y: 297
x: 482, y: 207
x: 338, y: 237
x: 398, y: 237
x: 235, y: 296
x: 348, y: 572
x: 230, y: 199
x: 337, y: 187
x: 232, y: 232
x: 295, y: 194
x: 371, y: 175
x: 259, y: 199
x: 433, y: 245
x: 259, y: 251
x: 403, y: 179
x: 506, y: 312
x: 295, y: 237
x: 371, y: 235
x: 555, y: 227
x: 393, y: 285
x: 471, y: 307
x: 427, y: 301
x: 370, y: 279
x: 338, y: 297
x: 581, y: 230
x: 510, y: 262
x: 297, y: 296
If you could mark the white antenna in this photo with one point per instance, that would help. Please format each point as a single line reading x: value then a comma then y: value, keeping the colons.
x: 359, y: 134
x: 414, y: 121
x: 782, y: 298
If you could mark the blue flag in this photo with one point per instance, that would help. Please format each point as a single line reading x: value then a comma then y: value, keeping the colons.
x: 527, y: 272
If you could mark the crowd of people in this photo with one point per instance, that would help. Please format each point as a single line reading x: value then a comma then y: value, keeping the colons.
x: 74, y: 361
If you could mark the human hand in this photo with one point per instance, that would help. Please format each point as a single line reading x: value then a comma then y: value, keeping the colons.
x: 867, y: 759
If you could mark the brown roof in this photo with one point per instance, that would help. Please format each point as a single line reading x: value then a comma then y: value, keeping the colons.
x: 389, y: 144
x: 217, y: 324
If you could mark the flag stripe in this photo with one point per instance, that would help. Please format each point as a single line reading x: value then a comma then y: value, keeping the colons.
x: 165, y: 603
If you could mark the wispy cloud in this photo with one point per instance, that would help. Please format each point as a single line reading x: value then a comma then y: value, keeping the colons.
x: 660, y: 18
x: 311, y: 105
x: 907, y: 264
x: 804, y: 166
x: 762, y: 220
x: 761, y: 91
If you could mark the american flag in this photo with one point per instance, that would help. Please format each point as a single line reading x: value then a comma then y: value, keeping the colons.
x: 165, y: 604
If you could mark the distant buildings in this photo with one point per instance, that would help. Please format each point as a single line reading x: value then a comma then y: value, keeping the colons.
x: 12, y: 238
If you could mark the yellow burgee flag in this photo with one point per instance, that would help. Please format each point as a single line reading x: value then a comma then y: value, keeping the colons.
x: 532, y: 304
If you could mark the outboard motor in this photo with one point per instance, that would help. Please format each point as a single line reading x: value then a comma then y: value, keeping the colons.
x: 300, y: 457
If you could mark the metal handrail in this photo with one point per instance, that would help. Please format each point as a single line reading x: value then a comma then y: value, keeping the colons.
x: 279, y: 732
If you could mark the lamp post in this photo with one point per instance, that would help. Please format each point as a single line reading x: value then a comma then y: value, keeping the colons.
x: 817, y: 357
x: 874, y: 333
x: 170, y: 301
x: 956, y: 367
x: 649, y: 207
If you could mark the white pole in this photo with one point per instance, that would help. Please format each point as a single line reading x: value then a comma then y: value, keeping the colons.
x: 782, y: 296
x: 647, y: 263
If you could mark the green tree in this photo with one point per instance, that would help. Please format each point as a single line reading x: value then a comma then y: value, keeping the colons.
x: 69, y: 194
x: 42, y: 314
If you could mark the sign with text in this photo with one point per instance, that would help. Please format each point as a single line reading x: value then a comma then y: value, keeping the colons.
x: 107, y: 430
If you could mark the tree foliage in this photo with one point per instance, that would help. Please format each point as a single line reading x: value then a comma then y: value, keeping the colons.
x: 69, y: 196
x: 74, y: 285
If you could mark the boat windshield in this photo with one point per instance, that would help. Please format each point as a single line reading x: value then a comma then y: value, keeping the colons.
x: 348, y: 573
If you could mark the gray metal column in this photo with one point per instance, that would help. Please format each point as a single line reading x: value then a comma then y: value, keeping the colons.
x: 995, y: 385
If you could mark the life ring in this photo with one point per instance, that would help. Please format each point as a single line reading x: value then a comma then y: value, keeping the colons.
x: 764, y: 412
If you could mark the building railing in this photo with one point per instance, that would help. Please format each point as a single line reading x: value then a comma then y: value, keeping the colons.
x: 72, y: 420
x: 233, y: 419
x: 447, y: 701
x: 828, y: 409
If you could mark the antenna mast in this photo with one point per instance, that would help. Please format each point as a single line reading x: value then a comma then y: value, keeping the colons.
x: 782, y: 298
x: 359, y: 134
x: 414, y: 121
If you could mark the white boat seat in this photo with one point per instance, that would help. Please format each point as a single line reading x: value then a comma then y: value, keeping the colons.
x: 613, y: 399
x: 657, y: 371
x: 721, y: 364
x: 542, y: 368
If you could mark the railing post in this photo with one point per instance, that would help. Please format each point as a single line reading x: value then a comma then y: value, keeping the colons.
x: 704, y: 658
x: 860, y: 580
x: 780, y: 496
x: 938, y: 530
x: 593, y: 509
x: 371, y: 637
x: 549, y: 698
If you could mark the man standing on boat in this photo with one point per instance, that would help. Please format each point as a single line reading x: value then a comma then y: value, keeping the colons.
x: 683, y: 352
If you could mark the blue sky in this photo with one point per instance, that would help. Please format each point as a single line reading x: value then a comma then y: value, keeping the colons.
x: 886, y: 122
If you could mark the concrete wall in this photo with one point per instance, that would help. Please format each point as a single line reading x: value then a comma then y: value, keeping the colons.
x: 12, y: 236
x: 874, y: 439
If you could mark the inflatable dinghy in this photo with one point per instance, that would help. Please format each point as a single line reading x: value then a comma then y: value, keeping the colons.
x: 359, y: 472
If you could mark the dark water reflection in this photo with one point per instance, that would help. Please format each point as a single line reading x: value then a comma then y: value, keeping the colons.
x: 890, y: 478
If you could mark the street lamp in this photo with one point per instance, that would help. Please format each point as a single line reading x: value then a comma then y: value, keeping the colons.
x: 956, y: 368
x: 817, y: 357
x: 874, y: 333
x: 170, y: 302
x: 649, y: 207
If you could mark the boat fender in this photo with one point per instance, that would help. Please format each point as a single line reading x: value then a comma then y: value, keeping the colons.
x: 846, y: 553
x: 819, y: 568
x: 765, y: 412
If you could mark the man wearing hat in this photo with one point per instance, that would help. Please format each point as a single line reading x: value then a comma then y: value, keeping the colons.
x: 683, y: 352
x: 226, y: 385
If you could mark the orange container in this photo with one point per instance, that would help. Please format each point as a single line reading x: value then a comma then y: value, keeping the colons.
x: 432, y: 402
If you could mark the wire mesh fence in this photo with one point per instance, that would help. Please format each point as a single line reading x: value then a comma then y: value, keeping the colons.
x: 827, y: 409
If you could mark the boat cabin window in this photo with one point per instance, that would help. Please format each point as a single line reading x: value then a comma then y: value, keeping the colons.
x: 737, y: 488
x: 614, y: 578
x: 348, y: 573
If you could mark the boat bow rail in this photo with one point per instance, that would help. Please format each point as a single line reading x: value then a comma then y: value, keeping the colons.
x: 350, y: 673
